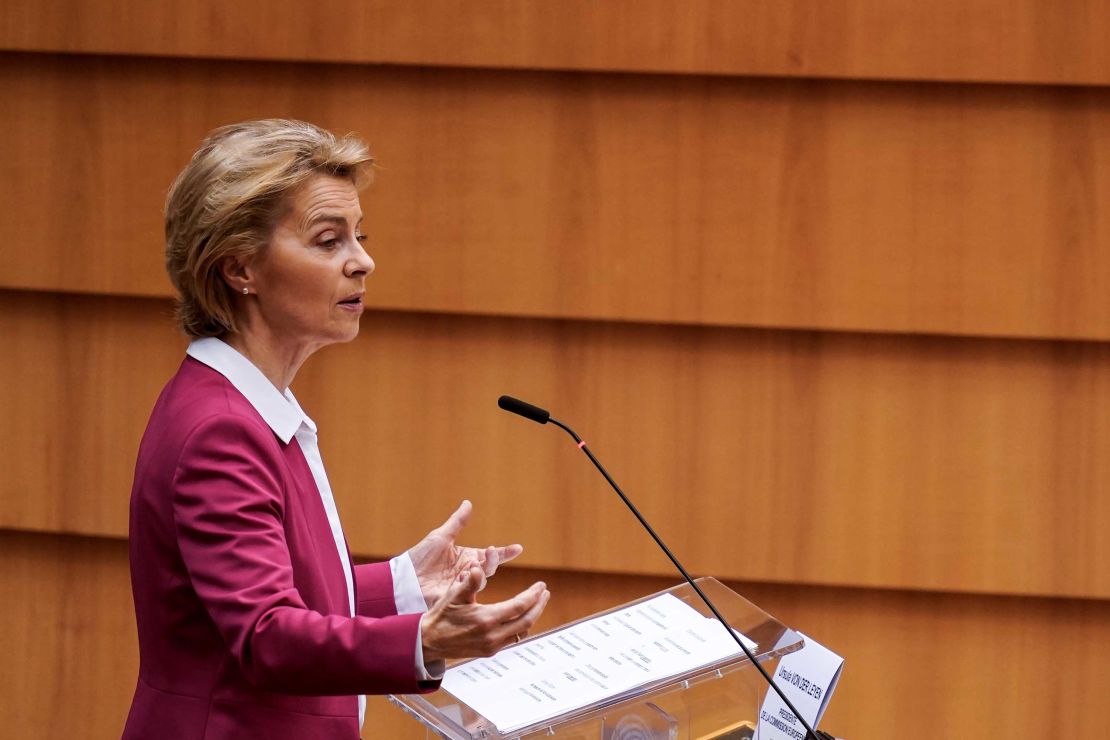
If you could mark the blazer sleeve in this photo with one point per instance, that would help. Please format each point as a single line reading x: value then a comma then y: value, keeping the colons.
x: 374, y: 590
x: 229, y: 505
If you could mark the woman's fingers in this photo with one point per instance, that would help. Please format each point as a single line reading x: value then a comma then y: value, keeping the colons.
x: 467, y: 585
x: 518, y: 628
x: 462, y: 628
x: 511, y: 610
x: 508, y: 552
x: 457, y: 521
x: 493, y: 557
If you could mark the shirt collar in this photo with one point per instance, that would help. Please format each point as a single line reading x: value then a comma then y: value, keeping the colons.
x: 278, y: 409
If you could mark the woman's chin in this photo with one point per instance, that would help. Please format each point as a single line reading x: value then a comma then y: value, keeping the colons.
x: 350, y: 333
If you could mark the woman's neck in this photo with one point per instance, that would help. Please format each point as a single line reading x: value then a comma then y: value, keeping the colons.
x: 278, y: 361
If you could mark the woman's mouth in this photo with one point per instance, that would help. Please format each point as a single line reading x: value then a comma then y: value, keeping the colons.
x: 352, y: 303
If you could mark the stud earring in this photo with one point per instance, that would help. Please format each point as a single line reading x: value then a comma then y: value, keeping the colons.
x: 246, y: 291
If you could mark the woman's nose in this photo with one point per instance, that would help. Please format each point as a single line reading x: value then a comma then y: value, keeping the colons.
x: 361, y: 262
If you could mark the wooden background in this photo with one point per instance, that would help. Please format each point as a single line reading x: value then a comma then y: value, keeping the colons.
x: 826, y: 285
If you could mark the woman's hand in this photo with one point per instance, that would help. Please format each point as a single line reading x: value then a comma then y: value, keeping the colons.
x: 459, y: 627
x: 439, y: 561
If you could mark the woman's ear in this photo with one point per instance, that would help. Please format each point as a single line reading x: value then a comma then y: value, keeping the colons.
x: 237, y: 274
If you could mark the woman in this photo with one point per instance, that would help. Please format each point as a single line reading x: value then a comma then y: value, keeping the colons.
x: 252, y: 620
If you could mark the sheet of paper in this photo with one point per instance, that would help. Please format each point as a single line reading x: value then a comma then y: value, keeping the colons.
x: 588, y: 662
x: 808, y: 677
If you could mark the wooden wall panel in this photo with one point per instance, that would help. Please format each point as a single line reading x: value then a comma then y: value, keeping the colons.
x: 877, y: 207
x: 862, y: 463
x: 1059, y: 41
x: 68, y: 639
x: 82, y: 376
x: 913, y: 660
x: 885, y: 461
x: 914, y: 462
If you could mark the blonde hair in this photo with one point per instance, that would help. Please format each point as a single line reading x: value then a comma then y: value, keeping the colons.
x: 231, y: 195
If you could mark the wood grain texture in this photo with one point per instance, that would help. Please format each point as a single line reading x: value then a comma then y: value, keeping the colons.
x: 925, y: 463
x: 874, y: 207
x: 83, y: 374
x: 69, y: 644
x: 1057, y: 41
x: 69, y: 641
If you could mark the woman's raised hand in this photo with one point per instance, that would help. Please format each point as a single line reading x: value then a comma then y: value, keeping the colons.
x: 459, y: 627
x: 439, y: 561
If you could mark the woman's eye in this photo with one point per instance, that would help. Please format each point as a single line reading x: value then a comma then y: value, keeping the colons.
x: 329, y: 243
x: 361, y: 238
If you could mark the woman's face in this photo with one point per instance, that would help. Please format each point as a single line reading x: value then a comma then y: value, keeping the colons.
x: 308, y: 283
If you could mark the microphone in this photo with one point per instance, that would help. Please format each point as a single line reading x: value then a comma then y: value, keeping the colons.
x: 520, y: 408
x: 542, y: 416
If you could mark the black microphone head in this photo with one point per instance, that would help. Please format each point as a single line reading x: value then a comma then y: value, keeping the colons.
x: 520, y: 408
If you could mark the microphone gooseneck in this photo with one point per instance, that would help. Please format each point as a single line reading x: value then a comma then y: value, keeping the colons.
x: 535, y: 413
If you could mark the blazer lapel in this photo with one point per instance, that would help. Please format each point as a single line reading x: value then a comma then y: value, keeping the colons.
x: 319, y: 530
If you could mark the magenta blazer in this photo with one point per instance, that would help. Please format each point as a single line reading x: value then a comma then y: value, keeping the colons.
x: 240, y: 600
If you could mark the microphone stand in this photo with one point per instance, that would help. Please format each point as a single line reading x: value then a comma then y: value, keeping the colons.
x: 811, y: 734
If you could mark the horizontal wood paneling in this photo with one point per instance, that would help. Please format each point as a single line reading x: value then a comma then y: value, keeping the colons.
x: 69, y: 645
x: 877, y: 207
x: 81, y: 375
x: 706, y: 197
x: 1061, y: 41
x: 931, y: 463
x: 913, y: 660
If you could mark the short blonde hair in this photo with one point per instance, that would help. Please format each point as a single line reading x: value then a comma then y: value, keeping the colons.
x: 231, y: 195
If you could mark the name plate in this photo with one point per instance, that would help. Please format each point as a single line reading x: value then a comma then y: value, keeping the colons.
x: 808, y: 677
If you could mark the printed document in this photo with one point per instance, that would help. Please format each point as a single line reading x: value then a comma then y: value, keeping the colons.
x: 591, y: 661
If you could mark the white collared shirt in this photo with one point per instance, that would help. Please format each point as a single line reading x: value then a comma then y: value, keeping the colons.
x: 280, y: 410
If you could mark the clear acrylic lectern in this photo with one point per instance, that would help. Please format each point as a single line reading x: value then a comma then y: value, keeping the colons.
x: 719, y: 701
